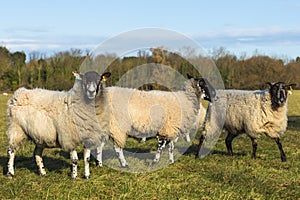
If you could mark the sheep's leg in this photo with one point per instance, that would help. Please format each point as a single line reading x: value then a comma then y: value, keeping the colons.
x: 187, y: 137
x: 171, y: 152
x: 38, y: 151
x: 143, y: 139
x: 228, y: 142
x: 10, y: 165
x: 121, y: 156
x: 254, y: 147
x: 86, y: 158
x: 74, y: 159
x: 99, y: 151
x: 282, y: 154
x: 176, y: 139
x: 201, y: 140
x: 16, y: 137
x: 162, y: 142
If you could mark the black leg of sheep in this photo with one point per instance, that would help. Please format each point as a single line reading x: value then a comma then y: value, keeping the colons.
x: 282, y: 154
x: 254, y: 147
x: 228, y: 142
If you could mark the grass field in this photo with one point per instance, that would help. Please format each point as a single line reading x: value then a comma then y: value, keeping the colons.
x: 216, y: 176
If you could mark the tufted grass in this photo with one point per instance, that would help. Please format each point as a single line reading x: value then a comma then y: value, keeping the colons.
x: 216, y: 176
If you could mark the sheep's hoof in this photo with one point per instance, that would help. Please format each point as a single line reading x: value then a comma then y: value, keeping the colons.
x: 98, y: 164
x: 155, y: 162
x: 74, y: 176
x: 42, y: 174
x: 9, y: 175
x: 125, y: 166
x: 230, y: 154
x: 86, y: 177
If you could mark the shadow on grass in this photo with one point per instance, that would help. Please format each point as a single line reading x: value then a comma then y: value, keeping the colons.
x: 22, y: 162
x: 294, y: 123
x: 194, y: 148
x: 138, y: 153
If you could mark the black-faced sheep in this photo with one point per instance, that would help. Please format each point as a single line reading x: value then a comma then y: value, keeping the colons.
x: 146, y: 113
x: 251, y: 112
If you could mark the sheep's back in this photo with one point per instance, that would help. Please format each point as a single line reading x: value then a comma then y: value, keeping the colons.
x: 47, y: 100
x: 145, y: 113
x: 43, y: 116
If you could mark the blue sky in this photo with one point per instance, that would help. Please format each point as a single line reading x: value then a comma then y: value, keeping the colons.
x: 271, y: 27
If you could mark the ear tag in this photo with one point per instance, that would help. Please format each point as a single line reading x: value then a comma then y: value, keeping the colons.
x: 76, y: 75
x: 104, y: 79
x: 290, y: 91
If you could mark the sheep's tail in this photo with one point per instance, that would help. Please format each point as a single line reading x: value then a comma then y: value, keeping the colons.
x: 20, y: 97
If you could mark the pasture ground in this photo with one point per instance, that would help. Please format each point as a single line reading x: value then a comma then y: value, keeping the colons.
x: 216, y: 176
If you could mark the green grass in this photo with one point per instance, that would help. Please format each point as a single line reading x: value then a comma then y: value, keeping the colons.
x: 216, y: 176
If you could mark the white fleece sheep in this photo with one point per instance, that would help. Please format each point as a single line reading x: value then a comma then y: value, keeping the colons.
x: 251, y: 112
x: 148, y: 113
x: 54, y: 119
x: 202, y: 114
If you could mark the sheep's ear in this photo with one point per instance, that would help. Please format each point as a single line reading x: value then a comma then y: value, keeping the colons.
x: 291, y: 86
x: 104, y: 76
x: 269, y: 84
x: 202, y: 82
x: 189, y: 76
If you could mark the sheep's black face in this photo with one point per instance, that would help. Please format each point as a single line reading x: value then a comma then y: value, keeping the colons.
x: 278, y: 93
x: 206, y: 88
x: 90, y: 82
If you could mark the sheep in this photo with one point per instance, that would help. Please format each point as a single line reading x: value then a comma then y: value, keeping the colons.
x: 202, y: 114
x: 132, y: 112
x: 54, y: 119
x: 250, y: 112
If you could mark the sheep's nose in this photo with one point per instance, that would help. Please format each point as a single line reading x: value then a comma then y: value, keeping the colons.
x: 92, y: 92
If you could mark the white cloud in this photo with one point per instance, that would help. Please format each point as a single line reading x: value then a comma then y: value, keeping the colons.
x: 273, y: 40
x: 246, y: 39
x: 16, y: 40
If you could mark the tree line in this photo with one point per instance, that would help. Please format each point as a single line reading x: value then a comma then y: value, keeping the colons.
x: 55, y: 72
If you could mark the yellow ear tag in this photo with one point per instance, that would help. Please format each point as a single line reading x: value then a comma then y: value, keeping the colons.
x: 104, y: 79
x: 290, y: 91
